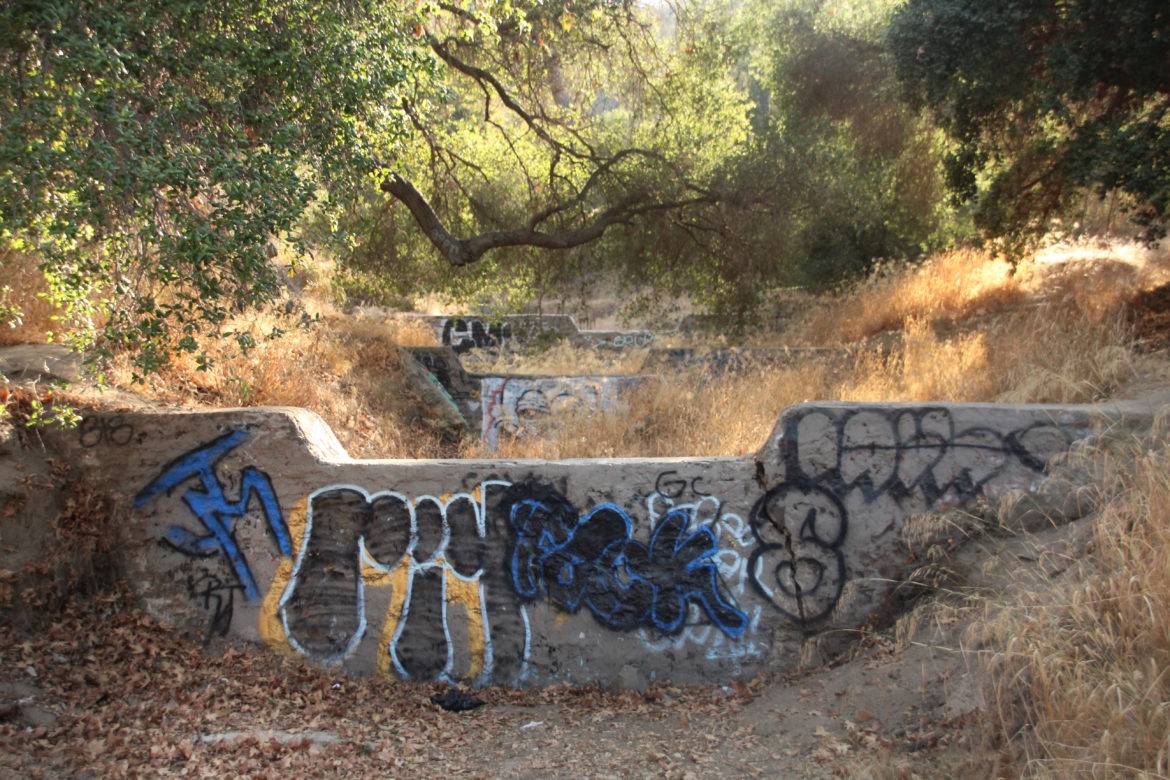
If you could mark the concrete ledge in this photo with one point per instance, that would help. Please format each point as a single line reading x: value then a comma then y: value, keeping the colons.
x: 467, y: 332
x: 254, y: 524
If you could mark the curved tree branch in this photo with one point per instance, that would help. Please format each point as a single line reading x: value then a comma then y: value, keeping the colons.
x: 465, y: 251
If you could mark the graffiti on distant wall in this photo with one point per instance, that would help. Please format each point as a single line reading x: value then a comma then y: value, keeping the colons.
x: 915, y: 458
x: 516, y: 407
x: 432, y: 552
x: 617, y: 340
x: 467, y: 333
x: 210, y: 504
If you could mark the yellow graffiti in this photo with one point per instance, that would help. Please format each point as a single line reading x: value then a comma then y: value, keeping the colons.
x: 466, y: 593
x: 271, y: 626
x: 398, y: 578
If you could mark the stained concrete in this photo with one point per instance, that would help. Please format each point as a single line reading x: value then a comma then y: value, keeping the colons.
x: 253, y: 524
x: 466, y: 332
x: 518, y: 406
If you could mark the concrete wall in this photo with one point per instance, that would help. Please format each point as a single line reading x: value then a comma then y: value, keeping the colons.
x: 254, y: 524
x: 462, y: 388
x: 522, y: 406
x: 477, y: 332
x: 515, y: 405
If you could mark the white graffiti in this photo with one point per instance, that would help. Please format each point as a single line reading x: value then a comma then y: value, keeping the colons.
x: 735, y: 544
x: 320, y: 625
x: 517, y: 407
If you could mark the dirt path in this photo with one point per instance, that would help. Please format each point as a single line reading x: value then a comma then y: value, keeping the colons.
x: 101, y: 690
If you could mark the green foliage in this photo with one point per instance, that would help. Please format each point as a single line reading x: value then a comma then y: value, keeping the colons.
x: 149, y: 150
x: 1042, y: 100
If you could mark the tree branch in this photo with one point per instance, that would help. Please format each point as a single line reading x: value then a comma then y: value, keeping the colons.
x: 465, y: 251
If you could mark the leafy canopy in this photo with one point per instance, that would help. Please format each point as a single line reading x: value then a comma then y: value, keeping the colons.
x: 149, y: 150
x: 1043, y: 99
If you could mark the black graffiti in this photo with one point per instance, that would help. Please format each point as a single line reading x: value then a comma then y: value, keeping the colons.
x: 669, y: 485
x: 917, y: 458
x: 324, y: 612
x: 217, y: 596
x: 109, y: 430
x: 440, y: 547
x: 798, y: 565
x: 471, y: 333
x: 915, y: 453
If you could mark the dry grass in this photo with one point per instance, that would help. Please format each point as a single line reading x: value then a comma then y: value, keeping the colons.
x: 347, y: 370
x: 964, y: 284
x: 22, y: 285
x: 562, y: 358
x: 1054, y: 353
x: 1081, y: 676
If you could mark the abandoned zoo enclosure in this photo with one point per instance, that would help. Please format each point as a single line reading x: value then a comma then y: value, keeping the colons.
x: 599, y: 389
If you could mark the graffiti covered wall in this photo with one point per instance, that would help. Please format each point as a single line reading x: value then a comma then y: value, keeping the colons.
x: 468, y: 332
x: 515, y: 406
x: 254, y: 524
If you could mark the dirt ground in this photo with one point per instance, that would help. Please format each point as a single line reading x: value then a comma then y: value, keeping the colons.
x: 102, y: 690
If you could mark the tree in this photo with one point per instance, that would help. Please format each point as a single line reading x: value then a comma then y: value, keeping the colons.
x: 1042, y: 100
x: 149, y: 150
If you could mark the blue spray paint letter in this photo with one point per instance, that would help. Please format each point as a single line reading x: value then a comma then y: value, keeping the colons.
x: 213, y: 508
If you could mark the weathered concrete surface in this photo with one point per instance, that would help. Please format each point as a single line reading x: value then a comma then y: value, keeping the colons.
x: 519, y: 406
x: 468, y: 332
x: 45, y: 363
x: 515, y: 404
x: 462, y: 388
x: 254, y: 524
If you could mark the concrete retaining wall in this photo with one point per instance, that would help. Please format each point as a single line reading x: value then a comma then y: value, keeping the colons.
x: 522, y: 406
x: 475, y: 332
x: 254, y: 524
x: 516, y: 405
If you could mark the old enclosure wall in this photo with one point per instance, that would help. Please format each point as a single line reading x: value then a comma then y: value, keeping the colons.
x: 467, y: 332
x: 254, y: 524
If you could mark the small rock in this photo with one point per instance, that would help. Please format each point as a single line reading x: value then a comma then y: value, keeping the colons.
x: 455, y: 700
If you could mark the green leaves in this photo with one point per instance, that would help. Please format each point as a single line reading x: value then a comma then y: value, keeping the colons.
x: 1044, y: 101
x: 149, y: 151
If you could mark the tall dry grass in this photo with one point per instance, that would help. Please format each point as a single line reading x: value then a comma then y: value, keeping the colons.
x: 968, y: 284
x: 562, y: 358
x: 1053, y: 353
x: 1080, y: 673
x: 350, y: 371
x: 23, y: 285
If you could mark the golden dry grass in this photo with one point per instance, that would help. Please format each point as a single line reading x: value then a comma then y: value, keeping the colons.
x: 1080, y: 672
x: 1053, y: 353
x: 22, y: 285
x: 562, y: 358
x: 347, y: 370
x: 965, y: 284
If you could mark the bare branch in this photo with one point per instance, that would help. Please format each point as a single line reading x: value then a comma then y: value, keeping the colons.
x: 465, y: 251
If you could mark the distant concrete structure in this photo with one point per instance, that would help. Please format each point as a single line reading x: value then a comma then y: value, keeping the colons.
x: 254, y: 524
x: 731, y: 360
x: 467, y: 332
x: 517, y: 406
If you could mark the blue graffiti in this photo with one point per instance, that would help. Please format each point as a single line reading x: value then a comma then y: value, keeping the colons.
x: 218, y: 514
x: 593, y: 561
